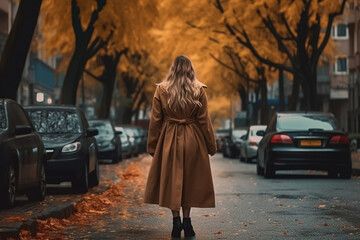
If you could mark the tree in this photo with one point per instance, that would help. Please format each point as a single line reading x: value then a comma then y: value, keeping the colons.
x: 136, y: 78
x: 300, y: 28
x: 17, y: 46
x: 92, y: 26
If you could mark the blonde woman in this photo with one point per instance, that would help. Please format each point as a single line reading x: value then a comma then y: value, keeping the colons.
x: 181, y: 137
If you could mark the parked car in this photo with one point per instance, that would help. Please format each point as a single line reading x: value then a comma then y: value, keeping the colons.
x: 233, y: 142
x: 125, y: 143
x: 220, y: 135
x: 22, y: 161
x: 304, y: 141
x: 132, y: 136
x: 108, y: 140
x: 249, y: 146
x: 71, y: 150
x: 140, y: 138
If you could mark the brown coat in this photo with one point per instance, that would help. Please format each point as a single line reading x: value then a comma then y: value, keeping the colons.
x: 180, y: 173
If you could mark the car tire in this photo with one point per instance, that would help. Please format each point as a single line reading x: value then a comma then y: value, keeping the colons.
x: 259, y: 169
x: 332, y: 174
x: 115, y: 158
x: 81, y: 183
x: 8, y: 194
x: 94, y: 176
x: 345, y: 173
x: 38, y: 193
x: 269, y: 171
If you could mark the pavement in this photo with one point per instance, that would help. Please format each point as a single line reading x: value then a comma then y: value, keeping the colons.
x: 59, y: 202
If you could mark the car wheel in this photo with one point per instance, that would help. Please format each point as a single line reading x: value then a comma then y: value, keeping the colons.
x: 332, y: 174
x: 38, y: 193
x: 269, y: 171
x: 259, y: 169
x: 8, y: 194
x: 115, y: 158
x: 225, y: 155
x: 94, y: 177
x: 246, y: 158
x: 346, y: 173
x: 81, y: 183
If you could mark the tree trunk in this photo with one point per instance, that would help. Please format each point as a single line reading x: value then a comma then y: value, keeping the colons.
x: 128, y: 113
x: 281, y: 90
x: 295, y: 94
x: 264, y: 105
x: 108, y: 79
x: 17, y: 47
x: 73, y: 76
x: 243, y: 96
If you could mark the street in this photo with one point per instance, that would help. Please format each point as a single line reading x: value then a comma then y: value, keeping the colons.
x: 294, y: 205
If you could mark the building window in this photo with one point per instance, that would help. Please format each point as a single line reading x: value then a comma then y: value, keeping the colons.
x: 341, y: 65
x: 340, y: 31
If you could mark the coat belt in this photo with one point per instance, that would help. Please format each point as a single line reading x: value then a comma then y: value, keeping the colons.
x: 180, y: 121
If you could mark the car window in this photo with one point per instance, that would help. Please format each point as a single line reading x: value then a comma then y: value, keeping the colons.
x: 129, y: 132
x: 19, y: 115
x: 55, y: 121
x: 239, y: 133
x: 2, y: 117
x: 104, y: 128
x: 302, y: 122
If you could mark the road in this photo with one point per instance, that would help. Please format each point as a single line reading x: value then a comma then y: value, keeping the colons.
x: 294, y: 205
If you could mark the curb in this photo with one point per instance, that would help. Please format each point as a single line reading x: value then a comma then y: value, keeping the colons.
x: 30, y: 225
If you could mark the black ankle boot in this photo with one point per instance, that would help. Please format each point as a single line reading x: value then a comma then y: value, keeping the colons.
x: 188, y: 228
x: 177, y: 227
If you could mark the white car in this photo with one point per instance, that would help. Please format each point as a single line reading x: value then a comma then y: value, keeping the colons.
x: 249, y: 146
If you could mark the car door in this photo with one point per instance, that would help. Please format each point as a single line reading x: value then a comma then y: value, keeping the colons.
x: 89, y: 142
x: 22, y: 142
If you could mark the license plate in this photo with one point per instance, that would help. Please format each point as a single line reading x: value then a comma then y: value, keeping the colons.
x: 310, y: 143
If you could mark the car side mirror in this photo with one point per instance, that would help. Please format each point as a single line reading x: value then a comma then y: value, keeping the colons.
x: 260, y: 133
x: 92, y: 132
x: 22, y: 130
x: 243, y: 137
x: 118, y: 132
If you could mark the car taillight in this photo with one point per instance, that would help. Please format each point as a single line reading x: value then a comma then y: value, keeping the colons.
x: 281, y: 138
x: 253, y: 144
x: 339, y: 139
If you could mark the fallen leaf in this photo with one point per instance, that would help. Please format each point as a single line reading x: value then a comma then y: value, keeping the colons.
x: 326, y: 225
x: 219, y: 232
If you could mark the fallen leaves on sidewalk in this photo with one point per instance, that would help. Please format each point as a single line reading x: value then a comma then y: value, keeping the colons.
x: 93, y: 205
x: 15, y: 219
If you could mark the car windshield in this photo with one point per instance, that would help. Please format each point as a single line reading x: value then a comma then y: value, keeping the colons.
x: 238, y: 133
x: 55, y: 121
x: 2, y: 117
x: 306, y: 122
x: 104, y: 128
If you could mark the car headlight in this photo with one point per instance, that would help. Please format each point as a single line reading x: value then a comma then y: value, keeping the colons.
x: 72, y: 147
x: 131, y: 139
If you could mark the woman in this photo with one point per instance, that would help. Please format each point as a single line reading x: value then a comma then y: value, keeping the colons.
x: 180, y: 138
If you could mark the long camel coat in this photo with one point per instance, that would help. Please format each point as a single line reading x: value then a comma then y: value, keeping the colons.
x: 180, y: 142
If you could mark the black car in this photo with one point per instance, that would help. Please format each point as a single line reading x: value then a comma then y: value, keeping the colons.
x: 304, y: 141
x: 108, y: 140
x: 22, y: 161
x: 232, y: 143
x: 71, y: 151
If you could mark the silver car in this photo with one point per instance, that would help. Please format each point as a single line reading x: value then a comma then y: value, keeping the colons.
x: 249, y: 146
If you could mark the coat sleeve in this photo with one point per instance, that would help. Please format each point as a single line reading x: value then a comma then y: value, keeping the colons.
x: 203, y: 119
x: 156, y: 122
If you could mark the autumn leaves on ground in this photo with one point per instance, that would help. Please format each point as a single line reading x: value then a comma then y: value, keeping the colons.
x: 125, y: 194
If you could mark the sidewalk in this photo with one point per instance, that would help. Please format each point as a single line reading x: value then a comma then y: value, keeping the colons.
x: 59, y: 203
x: 355, y: 163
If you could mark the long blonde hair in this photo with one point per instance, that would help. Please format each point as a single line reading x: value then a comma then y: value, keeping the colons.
x: 182, y: 84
